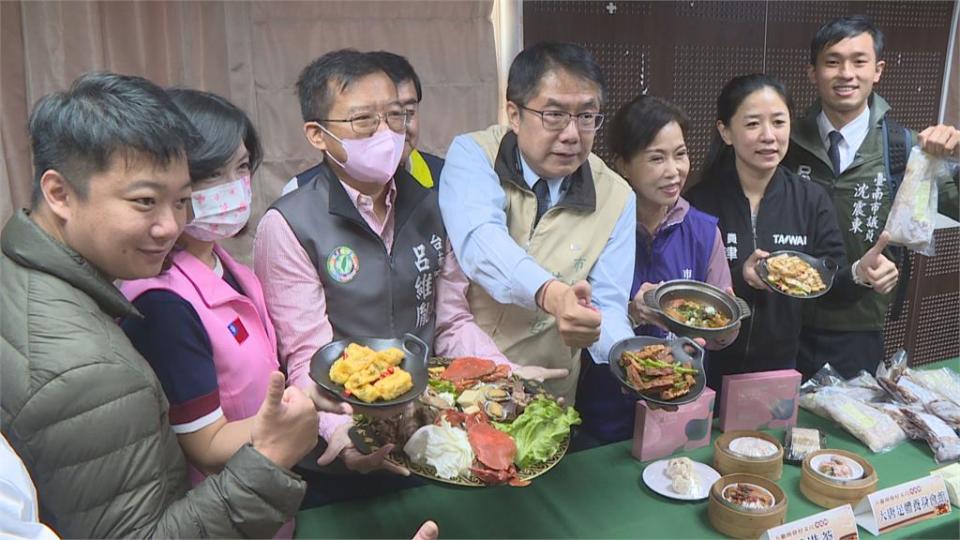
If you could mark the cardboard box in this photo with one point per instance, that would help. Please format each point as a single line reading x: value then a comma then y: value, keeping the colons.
x: 658, y: 433
x: 767, y: 399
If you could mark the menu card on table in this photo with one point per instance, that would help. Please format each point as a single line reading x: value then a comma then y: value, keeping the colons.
x: 836, y: 524
x: 903, y: 504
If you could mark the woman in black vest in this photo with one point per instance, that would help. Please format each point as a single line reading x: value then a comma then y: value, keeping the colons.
x: 762, y: 207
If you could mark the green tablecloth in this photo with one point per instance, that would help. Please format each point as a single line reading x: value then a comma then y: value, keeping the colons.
x: 598, y: 493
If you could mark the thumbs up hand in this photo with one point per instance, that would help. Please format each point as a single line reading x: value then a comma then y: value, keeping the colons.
x: 578, y: 320
x: 875, y: 270
x: 285, y: 428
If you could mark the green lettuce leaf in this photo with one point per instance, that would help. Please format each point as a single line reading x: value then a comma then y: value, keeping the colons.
x: 442, y: 386
x: 539, y: 431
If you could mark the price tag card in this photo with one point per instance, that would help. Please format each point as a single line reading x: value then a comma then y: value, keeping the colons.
x: 903, y: 504
x: 836, y: 524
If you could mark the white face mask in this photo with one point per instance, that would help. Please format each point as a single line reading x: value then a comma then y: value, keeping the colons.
x: 221, y: 211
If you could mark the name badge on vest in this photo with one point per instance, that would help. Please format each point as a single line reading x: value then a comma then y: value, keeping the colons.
x: 237, y: 330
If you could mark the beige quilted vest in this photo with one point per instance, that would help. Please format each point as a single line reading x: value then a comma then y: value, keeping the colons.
x: 566, y: 242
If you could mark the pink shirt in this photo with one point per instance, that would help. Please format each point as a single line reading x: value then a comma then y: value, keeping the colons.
x: 298, y: 307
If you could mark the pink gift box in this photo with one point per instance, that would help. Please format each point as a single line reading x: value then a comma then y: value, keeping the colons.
x: 767, y: 399
x: 658, y: 433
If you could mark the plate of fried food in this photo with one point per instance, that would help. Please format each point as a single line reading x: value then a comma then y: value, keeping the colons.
x: 797, y: 274
x: 661, y: 371
x: 476, y: 424
x: 372, y: 372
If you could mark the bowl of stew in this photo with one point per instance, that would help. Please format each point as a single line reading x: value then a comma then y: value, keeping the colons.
x: 696, y: 309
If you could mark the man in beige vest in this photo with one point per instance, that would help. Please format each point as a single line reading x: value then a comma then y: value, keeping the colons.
x: 544, y: 230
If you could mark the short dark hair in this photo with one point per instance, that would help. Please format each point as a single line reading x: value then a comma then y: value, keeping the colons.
x: 80, y: 131
x: 221, y: 126
x: 843, y: 28
x: 638, y: 122
x: 398, y: 69
x: 530, y: 66
x: 339, y: 68
x: 720, y: 156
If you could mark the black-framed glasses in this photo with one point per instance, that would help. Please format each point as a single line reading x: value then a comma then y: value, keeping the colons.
x: 365, y: 124
x: 559, y: 120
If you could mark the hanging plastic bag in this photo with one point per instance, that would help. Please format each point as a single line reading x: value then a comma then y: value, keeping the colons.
x: 913, y: 215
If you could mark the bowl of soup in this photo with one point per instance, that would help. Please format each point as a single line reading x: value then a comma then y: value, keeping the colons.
x: 696, y: 309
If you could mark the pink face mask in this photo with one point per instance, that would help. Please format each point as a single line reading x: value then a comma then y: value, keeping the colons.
x: 220, y: 211
x: 372, y: 160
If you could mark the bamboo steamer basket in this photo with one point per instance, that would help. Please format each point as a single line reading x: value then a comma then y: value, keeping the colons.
x: 741, y: 523
x: 726, y: 462
x: 827, y: 494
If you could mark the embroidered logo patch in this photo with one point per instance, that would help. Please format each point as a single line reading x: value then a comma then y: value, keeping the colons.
x: 343, y: 264
x: 237, y: 330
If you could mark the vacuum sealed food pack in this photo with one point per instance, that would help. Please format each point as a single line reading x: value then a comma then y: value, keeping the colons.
x: 912, y: 217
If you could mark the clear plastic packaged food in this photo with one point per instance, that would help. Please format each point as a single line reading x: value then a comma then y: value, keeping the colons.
x: 904, y: 384
x: 942, y: 439
x: 798, y: 442
x: 943, y: 381
x: 914, y: 211
x: 875, y: 429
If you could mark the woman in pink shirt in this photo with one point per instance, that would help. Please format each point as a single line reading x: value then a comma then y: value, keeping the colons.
x: 205, y: 330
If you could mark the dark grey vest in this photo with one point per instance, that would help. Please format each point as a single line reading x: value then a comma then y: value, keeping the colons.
x: 369, y: 292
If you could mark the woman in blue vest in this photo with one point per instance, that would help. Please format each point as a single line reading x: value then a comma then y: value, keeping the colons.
x: 674, y: 241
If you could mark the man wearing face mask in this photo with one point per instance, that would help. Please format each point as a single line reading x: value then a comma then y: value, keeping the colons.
x: 423, y: 166
x: 361, y: 249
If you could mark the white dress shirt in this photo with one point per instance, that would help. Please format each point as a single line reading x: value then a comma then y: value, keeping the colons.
x: 853, y: 135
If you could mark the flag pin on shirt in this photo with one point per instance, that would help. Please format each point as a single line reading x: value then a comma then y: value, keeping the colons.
x: 237, y: 330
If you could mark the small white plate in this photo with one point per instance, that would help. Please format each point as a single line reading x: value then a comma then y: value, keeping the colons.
x: 855, y: 468
x: 655, y: 477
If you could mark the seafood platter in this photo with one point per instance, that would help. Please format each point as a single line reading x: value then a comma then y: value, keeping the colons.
x: 475, y: 424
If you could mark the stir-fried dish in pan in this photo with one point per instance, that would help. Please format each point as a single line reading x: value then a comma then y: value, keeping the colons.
x: 653, y: 370
x: 793, y: 275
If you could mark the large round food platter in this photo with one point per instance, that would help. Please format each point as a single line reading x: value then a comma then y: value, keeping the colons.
x: 397, y: 457
x: 370, y: 434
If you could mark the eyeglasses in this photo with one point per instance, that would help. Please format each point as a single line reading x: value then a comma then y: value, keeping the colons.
x: 559, y: 120
x: 368, y: 123
x: 411, y: 110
